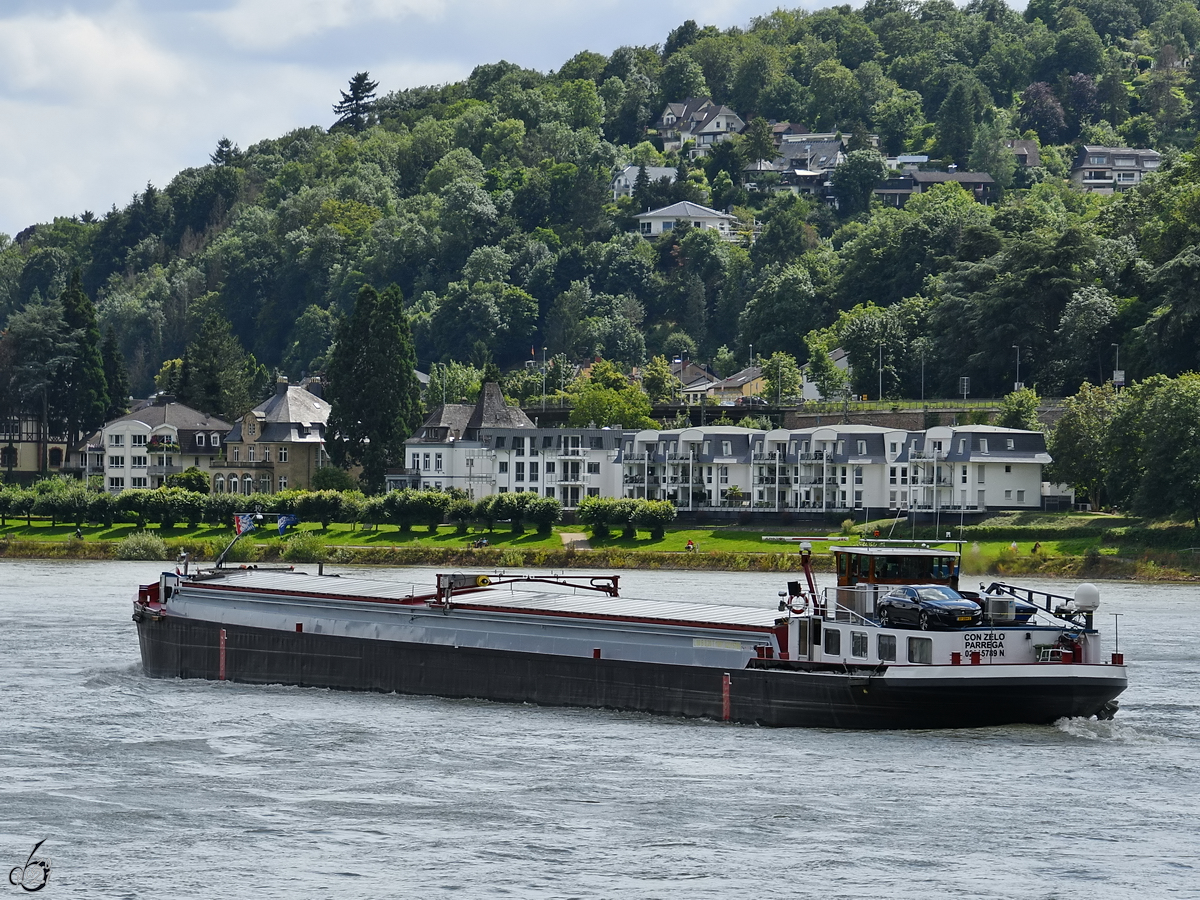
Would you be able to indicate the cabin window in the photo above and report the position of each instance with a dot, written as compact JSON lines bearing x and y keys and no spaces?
{"x":833,"y":642}
{"x":858,"y":644}
{"x":920,"y":651}
{"x":843,"y":564}
{"x":887,"y":647}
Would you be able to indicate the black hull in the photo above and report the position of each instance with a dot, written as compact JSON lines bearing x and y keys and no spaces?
{"x":182,"y":648}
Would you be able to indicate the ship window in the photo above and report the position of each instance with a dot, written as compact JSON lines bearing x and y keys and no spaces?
{"x":858,"y":644}
{"x":887,"y":647}
{"x":920,"y":650}
{"x":833,"y":642}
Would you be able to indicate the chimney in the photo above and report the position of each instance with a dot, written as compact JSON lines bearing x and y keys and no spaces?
{"x":281,"y":386}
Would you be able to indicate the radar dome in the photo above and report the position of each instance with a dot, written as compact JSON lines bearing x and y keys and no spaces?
{"x":1087,"y":597}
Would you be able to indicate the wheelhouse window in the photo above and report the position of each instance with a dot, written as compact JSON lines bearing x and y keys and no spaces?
{"x":858,"y":644}
{"x":920,"y":651}
{"x":886,"y":645}
{"x":833,"y":642}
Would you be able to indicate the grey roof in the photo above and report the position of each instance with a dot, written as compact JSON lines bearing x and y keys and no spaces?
{"x":174,"y":414}
{"x":684,"y":209}
{"x":462,"y":421}
{"x":738,"y":379}
{"x":293,"y":404}
{"x":1027,"y":149}
{"x":943,"y":177}
{"x":654,"y":173}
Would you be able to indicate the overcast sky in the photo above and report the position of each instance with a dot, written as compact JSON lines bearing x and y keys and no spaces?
{"x":98,"y":97}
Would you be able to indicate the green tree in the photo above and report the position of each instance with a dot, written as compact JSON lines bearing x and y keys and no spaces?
{"x":190,"y":479}
{"x":453,"y":382}
{"x":217,"y":375}
{"x":355,"y":108}
{"x":81,"y":387}
{"x":781,"y":378}
{"x":833,"y":383}
{"x":1079,"y":443}
{"x":374,"y":348}
{"x":116,"y":376}
{"x":657,"y":381}
{"x":855,"y":180}
{"x":1171,"y":459}
{"x":607,"y":397}
{"x":1019,"y":409}
{"x":756,"y":143}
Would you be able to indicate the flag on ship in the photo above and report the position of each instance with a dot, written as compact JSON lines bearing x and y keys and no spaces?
{"x":243,"y":523}
{"x":285,"y":521}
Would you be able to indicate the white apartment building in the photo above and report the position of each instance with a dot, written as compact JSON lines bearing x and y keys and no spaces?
{"x":490,"y":448}
{"x":838,"y":468}
{"x":141,"y":448}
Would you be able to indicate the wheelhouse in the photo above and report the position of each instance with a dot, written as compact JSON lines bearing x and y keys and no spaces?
{"x":895,"y":565}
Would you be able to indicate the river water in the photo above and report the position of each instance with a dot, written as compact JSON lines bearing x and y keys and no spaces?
{"x":162,"y":788}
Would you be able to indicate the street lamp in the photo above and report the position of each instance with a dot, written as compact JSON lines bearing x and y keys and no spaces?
{"x":879,"y":396}
{"x":543,"y":379}
{"x":1017,"y":383}
{"x":1118,"y":375}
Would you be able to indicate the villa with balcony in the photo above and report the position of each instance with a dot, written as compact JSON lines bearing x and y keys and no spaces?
{"x":160,"y":438}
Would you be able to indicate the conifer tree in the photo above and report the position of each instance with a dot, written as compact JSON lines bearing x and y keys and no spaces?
{"x":217,"y":375}
{"x":373,"y":386}
{"x":354,"y":109}
{"x":81,"y":390}
{"x":116,"y":376}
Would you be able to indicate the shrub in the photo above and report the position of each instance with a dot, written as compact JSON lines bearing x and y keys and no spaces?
{"x":597,"y":513}
{"x":319,"y":506}
{"x":190,"y":479}
{"x":847,"y":527}
{"x":513,"y":507}
{"x":372,"y":512}
{"x":486,"y":512}
{"x":544,"y":512}
{"x":102,"y":508}
{"x":654,"y":516}
{"x":400,"y":509}
{"x":142,"y":545}
{"x":623,"y":511}
{"x":304,"y":546}
{"x":460,"y":514}
{"x":331,"y":478}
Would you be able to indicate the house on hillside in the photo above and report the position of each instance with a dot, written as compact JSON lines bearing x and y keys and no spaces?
{"x":1027,"y":153}
{"x":654,"y":222}
{"x":488,"y":447}
{"x":625,"y":180}
{"x":26,"y":450}
{"x":137,"y":451}
{"x":699,"y":120}
{"x":277,"y":446}
{"x":896,"y":189}
{"x":1103,"y":170}
{"x":746,"y":383}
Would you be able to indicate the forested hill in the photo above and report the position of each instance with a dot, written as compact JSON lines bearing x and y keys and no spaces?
{"x":488,"y":203}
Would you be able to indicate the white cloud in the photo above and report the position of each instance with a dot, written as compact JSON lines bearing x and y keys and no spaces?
{"x":277,"y":23}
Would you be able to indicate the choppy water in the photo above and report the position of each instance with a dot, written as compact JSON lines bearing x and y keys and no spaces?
{"x":154,"y":788}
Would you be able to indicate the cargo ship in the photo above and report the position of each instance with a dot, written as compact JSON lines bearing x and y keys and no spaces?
{"x":832,"y":658}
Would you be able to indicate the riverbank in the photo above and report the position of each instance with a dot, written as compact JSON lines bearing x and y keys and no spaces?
{"x":1061,"y":549}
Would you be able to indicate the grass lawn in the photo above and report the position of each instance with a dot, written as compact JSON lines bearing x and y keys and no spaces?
{"x":725,"y":539}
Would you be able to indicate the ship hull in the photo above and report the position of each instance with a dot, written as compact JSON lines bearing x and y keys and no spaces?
{"x":931,"y":697}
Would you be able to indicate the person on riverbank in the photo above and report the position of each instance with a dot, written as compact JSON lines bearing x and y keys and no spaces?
{"x":691,"y":546}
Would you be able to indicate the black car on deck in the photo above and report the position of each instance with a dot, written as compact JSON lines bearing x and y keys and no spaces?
{"x":927,"y":606}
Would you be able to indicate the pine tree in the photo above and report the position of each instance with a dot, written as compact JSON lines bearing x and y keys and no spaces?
{"x":373,"y":386}
{"x":116,"y":376}
{"x":354,"y":109}
{"x":217,"y":375}
{"x":82,"y":390}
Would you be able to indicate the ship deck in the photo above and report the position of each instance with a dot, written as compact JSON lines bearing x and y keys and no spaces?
{"x":515,"y":598}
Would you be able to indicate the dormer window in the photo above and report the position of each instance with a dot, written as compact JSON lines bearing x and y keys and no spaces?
{"x":841,"y":448}
{"x":214,"y":440}
{"x":862,"y":448}
{"x":199,"y":440}
{"x":1008,"y":443}
{"x":962,"y":445}
{"x":252,"y":429}
{"x":726,"y":448}
{"x":983,"y":445}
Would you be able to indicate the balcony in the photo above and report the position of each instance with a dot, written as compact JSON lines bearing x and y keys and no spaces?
{"x":766,"y":457}
{"x":161,"y":470}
